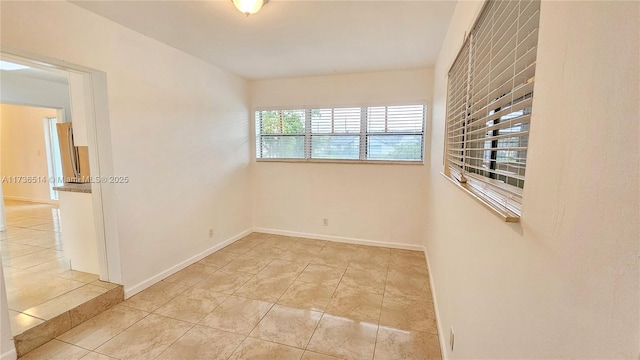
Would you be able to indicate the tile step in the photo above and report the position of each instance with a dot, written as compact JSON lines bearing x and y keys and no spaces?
{"x":50,"y":329}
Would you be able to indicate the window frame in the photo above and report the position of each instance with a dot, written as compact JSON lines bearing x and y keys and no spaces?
{"x":362,"y":135}
{"x":502,"y":198}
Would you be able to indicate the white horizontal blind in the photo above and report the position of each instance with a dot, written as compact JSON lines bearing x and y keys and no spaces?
{"x":457,"y":104}
{"x":335,"y":133}
{"x":488,"y":124}
{"x":281,"y":134}
{"x":407,"y":119}
{"x":392,"y":133}
{"x":395,"y":132}
{"x":336,"y":120}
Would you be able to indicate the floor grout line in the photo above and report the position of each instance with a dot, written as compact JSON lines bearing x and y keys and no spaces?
{"x":239,"y":345}
{"x":176,"y":340}
{"x":271,"y":249}
{"x":381,"y":307}
{"x":125,"y":329}
{"x":324,"y":312}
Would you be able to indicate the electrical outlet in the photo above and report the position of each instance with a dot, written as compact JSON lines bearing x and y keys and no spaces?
{"x":211,"y":232}
{"x":325,"y":222}
{"x":452,"y":337}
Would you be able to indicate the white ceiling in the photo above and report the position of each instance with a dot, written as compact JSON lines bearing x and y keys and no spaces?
{"x":292,"y":38}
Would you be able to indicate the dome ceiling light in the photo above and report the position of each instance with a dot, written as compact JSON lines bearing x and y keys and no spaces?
{"x":249,"y":7}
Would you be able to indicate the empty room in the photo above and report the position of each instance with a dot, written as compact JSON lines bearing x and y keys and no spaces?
{"x":316,"y":180}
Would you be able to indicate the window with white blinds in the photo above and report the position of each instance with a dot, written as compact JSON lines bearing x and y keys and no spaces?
{"x":375,"y":133}
{"x":489,"y":101}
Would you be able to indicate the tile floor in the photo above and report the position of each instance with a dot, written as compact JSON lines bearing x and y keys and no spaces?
{"x":271,"y":297}
{"x":40,"y":283}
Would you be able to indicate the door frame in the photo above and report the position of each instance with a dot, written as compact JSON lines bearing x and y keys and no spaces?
{"x":100,"y":156}
{"x":51,"y":158}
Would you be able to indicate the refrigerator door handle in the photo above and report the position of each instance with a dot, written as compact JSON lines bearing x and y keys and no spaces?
{"x":74,"y":154}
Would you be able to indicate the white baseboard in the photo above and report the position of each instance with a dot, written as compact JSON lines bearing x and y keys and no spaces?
{"x":130,"y":291}
{"x":340,"y":239}
{"x":40,"y":201}
{"x":9,"y":355}
{"x":441,"y":333}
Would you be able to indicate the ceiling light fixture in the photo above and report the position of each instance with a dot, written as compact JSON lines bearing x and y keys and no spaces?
{"x":249,"y":7}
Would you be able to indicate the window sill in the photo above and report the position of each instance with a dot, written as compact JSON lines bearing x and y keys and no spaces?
{"x":501,"y":211}
{"x":331,"y":161}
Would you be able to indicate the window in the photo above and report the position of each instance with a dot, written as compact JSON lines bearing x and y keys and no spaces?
{"x":282,"y":134}
{"x":489,"y":102}
{"x":378,"y":133}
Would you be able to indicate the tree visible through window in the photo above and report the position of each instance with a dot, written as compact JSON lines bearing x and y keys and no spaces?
{"x":282,"y":134}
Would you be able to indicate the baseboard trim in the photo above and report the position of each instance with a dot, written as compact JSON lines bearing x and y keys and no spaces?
{"x":39,"y":201}
{"x":340,"y":239}
{"x":132,"y":290}
{"x":441,"y":334}
{"x":9,"y":355}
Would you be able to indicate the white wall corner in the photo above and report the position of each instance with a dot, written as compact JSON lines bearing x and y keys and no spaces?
{"x":130,"y":291}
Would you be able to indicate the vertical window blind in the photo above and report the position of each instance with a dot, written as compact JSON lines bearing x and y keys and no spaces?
{"x":489,"y":102}
{"x":377,"y":133}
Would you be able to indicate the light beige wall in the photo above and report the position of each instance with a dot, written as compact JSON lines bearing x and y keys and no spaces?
{"x":383,"y":203}
{"x":179,"y":131}
{"x":23,"y":151}
{"x":564,"y":282}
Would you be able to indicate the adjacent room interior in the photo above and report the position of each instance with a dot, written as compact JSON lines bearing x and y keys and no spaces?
{"x":320,"y":179}
{"x":50,"y":265}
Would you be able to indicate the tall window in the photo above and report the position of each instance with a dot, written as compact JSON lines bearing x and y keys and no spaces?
{"x":378,"y":133}
{"x":489,"y":103}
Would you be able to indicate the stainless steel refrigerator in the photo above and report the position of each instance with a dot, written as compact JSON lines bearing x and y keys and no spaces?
{"x":74,"y":159}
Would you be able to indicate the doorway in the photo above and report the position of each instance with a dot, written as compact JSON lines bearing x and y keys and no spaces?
{"x":101,"y":207}
{"x":42,"y":280}
{"x":92,"y":103}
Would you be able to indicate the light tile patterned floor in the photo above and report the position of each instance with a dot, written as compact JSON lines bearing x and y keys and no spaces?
{"x":39,"y":280}
{"x":271,"y":297}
